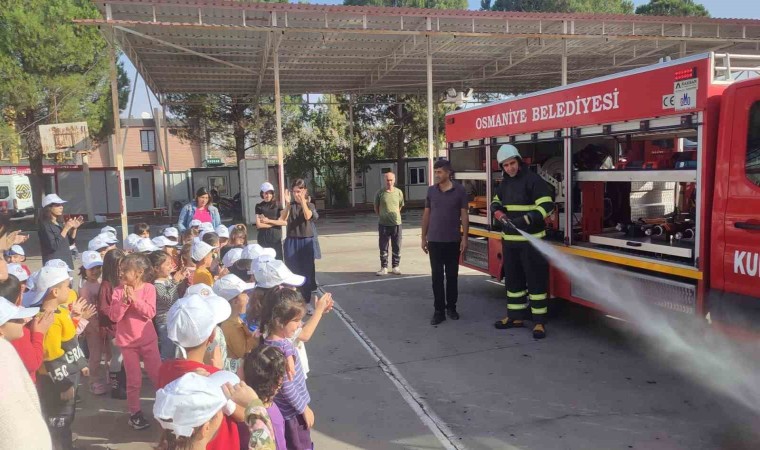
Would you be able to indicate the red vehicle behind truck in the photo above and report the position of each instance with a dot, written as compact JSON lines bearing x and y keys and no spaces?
{"x":655,"y":171}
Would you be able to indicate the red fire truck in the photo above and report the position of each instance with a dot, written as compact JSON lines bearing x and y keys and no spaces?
{"x":655,"y":171}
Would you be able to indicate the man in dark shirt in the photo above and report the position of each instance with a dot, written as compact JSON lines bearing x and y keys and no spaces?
{"x":445,"y":212}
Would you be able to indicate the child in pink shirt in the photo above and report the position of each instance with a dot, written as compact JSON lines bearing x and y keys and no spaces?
{"x":132,"y":309}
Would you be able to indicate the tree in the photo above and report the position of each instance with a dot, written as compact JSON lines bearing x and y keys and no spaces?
{"x":234,"y":118}
{"x":52,"y":70}
{"x":561,"y":6}
{"x":672,"y":8}
{"x":324,"y":145}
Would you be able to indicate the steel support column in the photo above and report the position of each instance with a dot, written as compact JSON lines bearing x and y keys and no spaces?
{"x":564,"y":62}
{"x":429,"y":110}
{"x":117,"y":133}
{"x":351,"y":143}
{"x":167,"y":172}
{"x":278,"y":114}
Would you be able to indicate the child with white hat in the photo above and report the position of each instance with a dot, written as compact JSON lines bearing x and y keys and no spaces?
{"x":171,"y":233}
{"x":191,"y":411}
{"x":13,"y":318}
{"x":33,"y":329}
{"x":130,"y":242}
{"x":167,"y":282}
{"x":202,"y":255}
{"x":89,"y":288}
{"x":98,"y":244}
{"x":145,"y":245}
{"x":238,"y":338}
{"x":17,"y":255}
{"x":224,"y":235}
{"x":63,"y":358}
{"x":191,"y":324}
{"x":17,"y":270}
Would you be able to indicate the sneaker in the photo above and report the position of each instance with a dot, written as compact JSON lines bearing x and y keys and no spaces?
{"x":382,"y":272}
{"x":138,"y":422}
{"x":396,"y":271}
{"x":506,"y":323}
{"x":438,"y":317}
{"x":539,"y":332}
{"x":452,"y":313}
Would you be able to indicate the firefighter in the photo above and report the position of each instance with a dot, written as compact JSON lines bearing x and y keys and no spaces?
{"x":521,"y":202}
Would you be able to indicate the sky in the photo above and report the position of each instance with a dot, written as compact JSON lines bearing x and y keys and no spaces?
{"x":746,"y":9}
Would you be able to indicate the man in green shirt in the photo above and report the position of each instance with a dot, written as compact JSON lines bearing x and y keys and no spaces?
{"x":388,"y":204}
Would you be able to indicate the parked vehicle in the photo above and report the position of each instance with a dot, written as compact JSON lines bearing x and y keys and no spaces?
{"x":16,"y":195}
{"x":656,"y":171}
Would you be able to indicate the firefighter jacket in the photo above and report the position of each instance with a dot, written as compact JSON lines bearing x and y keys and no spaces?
{"x":524,"y":194}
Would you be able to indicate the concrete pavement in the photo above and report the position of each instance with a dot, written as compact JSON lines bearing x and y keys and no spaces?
{"x":383,"y":378}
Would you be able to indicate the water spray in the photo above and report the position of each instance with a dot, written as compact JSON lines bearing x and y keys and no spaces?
{"x":687,"y":342}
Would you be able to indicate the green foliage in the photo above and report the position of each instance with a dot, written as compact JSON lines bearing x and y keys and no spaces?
{"x":52,"y":70}
{"x":673,"y":8}
{"x":323,"y":147}
{"x":235,"y":119}
{"x":561,"y":6}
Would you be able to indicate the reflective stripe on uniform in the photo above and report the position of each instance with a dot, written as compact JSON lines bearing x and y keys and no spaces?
{"x":517,"y":306}
{"x":542,"y":211}
{"x":539,"y":310}
{"x":496,"y":199}
{"x":543,"y":200}
{"x":520,"y":207}
{"x":519,"y":237}
{"x":537,"y":296}
{"x":517,"y":294}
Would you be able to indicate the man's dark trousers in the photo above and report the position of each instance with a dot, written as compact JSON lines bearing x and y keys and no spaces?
{"x":444,"y":260}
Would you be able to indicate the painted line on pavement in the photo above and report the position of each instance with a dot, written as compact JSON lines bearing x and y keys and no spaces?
{"x":375,"y":281}
{"x":440,"y":430}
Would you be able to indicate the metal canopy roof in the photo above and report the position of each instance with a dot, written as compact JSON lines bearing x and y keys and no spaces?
{"x":206,"y":46}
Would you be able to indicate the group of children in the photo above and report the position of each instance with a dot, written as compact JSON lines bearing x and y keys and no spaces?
{"x":217,"y":324}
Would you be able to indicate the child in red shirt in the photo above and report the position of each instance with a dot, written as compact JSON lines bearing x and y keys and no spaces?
{"x":190,"y":324}
{"x":29,"y":345}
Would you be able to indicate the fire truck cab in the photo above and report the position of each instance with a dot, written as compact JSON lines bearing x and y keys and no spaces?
{"x":655,"y":171}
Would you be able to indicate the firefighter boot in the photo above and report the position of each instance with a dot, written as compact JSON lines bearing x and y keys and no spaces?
{"x":539,"y":331}
{"x":506,"y":323}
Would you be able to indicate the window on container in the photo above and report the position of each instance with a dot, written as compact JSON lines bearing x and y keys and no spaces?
{"x":752,"y":163}
{"x":132,"y":187}
{"x":4,"y":192}
{"x":148,"y":140}
{"x":417,"y":175}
